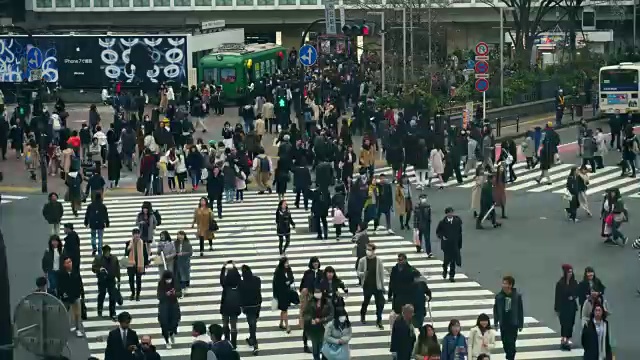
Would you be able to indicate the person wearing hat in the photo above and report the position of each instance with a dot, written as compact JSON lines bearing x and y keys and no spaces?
{"x":137,"y":261}
{"x":566,"y":305}
{"x":449,"y":230}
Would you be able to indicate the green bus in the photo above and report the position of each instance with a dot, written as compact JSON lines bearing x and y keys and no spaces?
{"x":235,"y":66}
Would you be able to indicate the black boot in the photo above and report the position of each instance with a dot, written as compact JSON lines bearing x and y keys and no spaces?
{"x":504,"y":214}
{"x":234,"y":339}
{"x":305,"y":341}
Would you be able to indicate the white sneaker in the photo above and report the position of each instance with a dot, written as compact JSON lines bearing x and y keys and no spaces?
{"x":79,"y":333}
{"x":390,"y":232}
{"x":168,"y":346}
{"x":73,"y":328}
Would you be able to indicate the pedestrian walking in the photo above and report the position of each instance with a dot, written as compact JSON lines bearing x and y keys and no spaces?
{"x":230,"y":305}
{"x":371,"y":276}
{"x":251,"y":295}
{"x":422,"y":226}
{"x":182,"y":267}
{"x":52,"y":262}
{"x":138,"y":260}
{"x":52,"y":212}
{"x":454,"y":344}
{"x":96,"y":218}
{"x":283,"y":292}
{"x":482,"y":338}
{"x":168,"y":308}
{"x":107,"y":270}
{"x":284,"y":225}
{"x":566,"y":305}
{"x":403,"y":336}
{"x":203,"y":219}
{"x":508,"y":314}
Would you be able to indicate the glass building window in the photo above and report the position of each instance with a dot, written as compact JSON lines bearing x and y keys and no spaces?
{"x":44,"y":3}
{"x":287,"y":2}
{"x":244,"y":2}
{"x":63,"y":3}
{"x":120,"y":3}
{"x":308,"y":2}
{"x":352,"y":2}
{"x":101,"y":3}
{"x":203,"y":2}
{"x":166,"y":3}
{"x":141,"y":3}
{"x":266,"y":2}
{"x":224,"y":3}
{"x":83,"y":3}
{"x":182,"y":2}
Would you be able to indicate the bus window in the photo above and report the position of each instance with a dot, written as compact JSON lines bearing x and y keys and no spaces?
{"x":210,"y":76}
{"x":273,"y":66}
{"x":228,"y":75}
{"x":619,"y":79}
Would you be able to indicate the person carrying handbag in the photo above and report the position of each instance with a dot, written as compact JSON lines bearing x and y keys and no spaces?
{"x":337,"y":335}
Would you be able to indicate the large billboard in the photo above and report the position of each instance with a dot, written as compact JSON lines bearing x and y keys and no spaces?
{"x":94,"y":61}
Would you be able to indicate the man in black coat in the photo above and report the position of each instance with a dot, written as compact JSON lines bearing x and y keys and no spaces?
{"x":449,"y":230}
{"x":122,"y":342}
{"x":402,"y":336}
{"x":401,"y":284}
{"x":487,"y":209}
{"x":384,"y":202}
{"x":72,"y":246}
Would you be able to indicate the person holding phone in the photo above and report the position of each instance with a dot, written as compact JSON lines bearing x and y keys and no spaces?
{"x":121,"y":341}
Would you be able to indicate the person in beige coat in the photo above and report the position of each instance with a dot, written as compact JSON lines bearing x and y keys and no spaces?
{"x":476,"y":190}
{"x":403,"y":203}
{"x":482,"y":338}
{"x":67,"y":154}
{"x":260,"y":127}
{"x":202,"y":217}
{"x":268,"y":115}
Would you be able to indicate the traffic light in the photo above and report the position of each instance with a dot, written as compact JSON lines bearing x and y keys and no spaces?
{"x":282,"y":101}
{"x":357,"y":30}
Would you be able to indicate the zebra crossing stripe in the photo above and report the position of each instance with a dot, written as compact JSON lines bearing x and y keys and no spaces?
{"x":247,"y":236}
{"x":7,"y":199}
{"x":604,"y":178}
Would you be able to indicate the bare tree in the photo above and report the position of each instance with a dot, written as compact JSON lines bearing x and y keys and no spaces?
{"x":526,"y":18}
{"x":421,"y":22}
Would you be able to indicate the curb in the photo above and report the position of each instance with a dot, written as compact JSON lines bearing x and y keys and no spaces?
{"x":564,"y":126}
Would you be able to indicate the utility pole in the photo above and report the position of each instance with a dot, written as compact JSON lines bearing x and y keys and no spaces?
{"x":635,"y":15}
{"x":429,"y":29}
{"x":411,"y":41}
{"x":502,"y":56}
{"x":382,"y":35}
{"x":404,"y":46}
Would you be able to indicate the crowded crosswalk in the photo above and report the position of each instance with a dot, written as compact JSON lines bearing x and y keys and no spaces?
{"x":247,"y":235}
{"x":605,"y":178}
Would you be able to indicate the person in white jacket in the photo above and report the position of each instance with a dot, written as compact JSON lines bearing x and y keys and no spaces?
{"x":181,"y":171}
{"x":102,"y":142}
{"x":601,"y":148}
{"x":482,"y":338}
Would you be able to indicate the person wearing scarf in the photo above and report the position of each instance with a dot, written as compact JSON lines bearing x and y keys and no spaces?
{"x":138,"y":259}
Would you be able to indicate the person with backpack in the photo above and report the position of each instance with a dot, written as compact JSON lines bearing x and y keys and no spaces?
{"x":262,"y":167}
{"x":73,"y":195}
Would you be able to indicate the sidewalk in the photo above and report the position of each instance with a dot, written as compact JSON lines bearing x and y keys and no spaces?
{"x":515,"y":128}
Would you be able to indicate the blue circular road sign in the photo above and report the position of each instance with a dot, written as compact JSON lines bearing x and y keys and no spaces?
{"x":481,"y":67}
{"x":470,"y":64}
{"x":308,"y":55}
{"x":482,"y":85}
{"x":34,"y":58}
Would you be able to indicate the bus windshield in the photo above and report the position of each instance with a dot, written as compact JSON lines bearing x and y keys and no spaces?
{"x":619,"y":80}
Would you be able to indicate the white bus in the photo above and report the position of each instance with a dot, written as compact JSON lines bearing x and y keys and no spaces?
{"x":619,"y":88}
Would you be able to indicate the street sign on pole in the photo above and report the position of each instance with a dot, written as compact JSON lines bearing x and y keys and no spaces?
{"x":481,"y":67}
{"x":308,"y":55}
{"x":482,"y":85}
{"x":330,"y":16}
{"x":470,"y":64}
{"x":482,"y":49}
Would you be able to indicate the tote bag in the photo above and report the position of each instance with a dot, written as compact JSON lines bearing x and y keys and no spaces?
{"x":335,"y":351}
